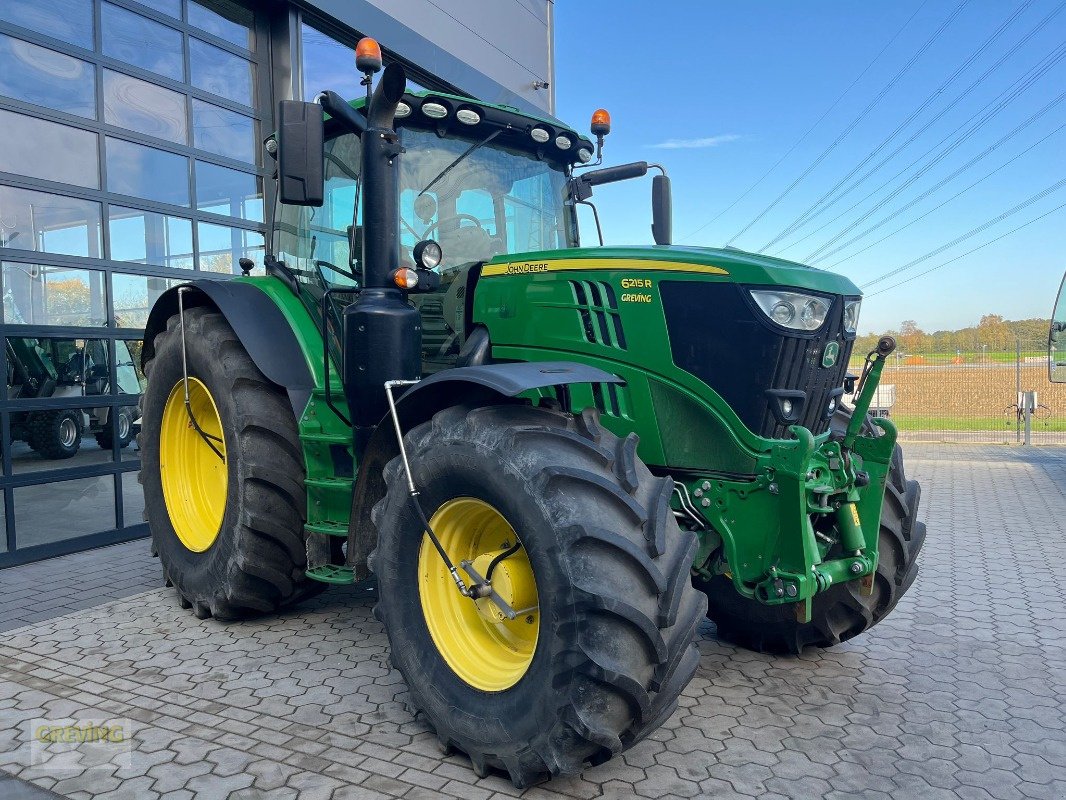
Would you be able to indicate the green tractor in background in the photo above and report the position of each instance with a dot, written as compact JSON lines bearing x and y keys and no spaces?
{"x":554,"y":459}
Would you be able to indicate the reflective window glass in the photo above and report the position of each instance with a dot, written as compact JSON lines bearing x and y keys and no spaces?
{"x":223,"y":19}
{"x":220,"y":72}
{"x":48,"y":150}
{"x":142,"y":171}
{"x":146,"y":237}
{"x":132,"y":495}
{"x":44,"y":77}
{"x":142,"y":42}
{"x":225,"y":133}
{"x":52,"y":512}
{"x":221,"y":247}
{"x":134,"y":296}
{"x":144,"y":107}
{"x":221,"y":190}
{"x":35,"y":294}
{"x":49,"y":223}
{"x":328,"y":64}
{"x":69,"y":20}
{"x":172,"y":8}
{"x":128,"y":376}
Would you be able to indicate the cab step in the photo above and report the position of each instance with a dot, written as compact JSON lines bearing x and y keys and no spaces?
{"x":327,"y":438}
{"x":331,"y":573}
{"x":328,"y":528}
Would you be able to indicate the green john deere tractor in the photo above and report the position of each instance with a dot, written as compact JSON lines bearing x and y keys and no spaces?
{"x":555,"y":459}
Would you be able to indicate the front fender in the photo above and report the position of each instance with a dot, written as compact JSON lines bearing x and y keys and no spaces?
{"x":480,"y":385}
{"x":259,"y":324}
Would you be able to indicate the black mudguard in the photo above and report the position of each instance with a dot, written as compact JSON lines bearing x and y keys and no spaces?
{"x":479,"y":385}
{"x":258,"y":323}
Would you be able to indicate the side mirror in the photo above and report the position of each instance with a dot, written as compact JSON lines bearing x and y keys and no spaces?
{"x":301,"y":180}
{"x":662,"y":225}
{"x":1056,"y":341}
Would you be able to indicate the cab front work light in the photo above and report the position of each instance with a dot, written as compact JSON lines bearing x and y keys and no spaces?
{"x":801,"y":312}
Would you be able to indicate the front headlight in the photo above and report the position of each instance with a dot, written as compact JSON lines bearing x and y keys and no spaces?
{"x":801,"y":312}
{"x":851,"y":315}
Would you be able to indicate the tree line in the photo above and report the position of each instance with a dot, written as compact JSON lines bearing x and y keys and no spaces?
{"x":991,"y":334}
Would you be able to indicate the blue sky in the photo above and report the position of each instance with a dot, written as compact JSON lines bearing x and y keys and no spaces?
{"x":718,"y":92}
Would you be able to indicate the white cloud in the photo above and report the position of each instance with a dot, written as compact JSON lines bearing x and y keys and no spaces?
{"x":695,"y":144}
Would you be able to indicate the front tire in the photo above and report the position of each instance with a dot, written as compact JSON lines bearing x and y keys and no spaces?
{"x":229,"y":534}
{"x":55,"y":434}
{"x":616,"y":612}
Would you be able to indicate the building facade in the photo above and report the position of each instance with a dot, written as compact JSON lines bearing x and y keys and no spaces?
{"x":131,"y":160}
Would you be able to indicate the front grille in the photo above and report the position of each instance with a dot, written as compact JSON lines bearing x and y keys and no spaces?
{"x":725,"y":341}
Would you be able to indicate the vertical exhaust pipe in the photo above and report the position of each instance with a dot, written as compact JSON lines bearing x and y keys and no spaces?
{"x":382,"y":333}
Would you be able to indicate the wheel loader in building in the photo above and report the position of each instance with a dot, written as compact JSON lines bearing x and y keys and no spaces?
{"x":555,"y":459}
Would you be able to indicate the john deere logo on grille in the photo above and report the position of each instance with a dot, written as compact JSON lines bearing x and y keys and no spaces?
{"x":831,"y":354}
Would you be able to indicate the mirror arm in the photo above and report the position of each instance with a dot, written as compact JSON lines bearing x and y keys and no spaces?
{"x":334,"y":105}
{"x":595,"y":216}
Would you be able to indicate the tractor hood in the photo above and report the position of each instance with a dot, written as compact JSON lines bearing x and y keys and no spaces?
{"x":742,"y":267}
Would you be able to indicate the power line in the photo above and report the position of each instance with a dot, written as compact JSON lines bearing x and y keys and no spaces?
{"x":817,"y":122}
{"x":854,"y":123}
{"x":986,"y":114}
{"x":970,"y":233}
{"x":980,"y":80}
{"x":968,"y":252}
{"x":811,"y":210}
{"x":930,"y":211}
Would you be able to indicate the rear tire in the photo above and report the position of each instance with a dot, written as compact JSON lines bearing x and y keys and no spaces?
{"x":106,"y":437}
{"x":55,"y":434}
{"x":839,"y":613}
{"x":617,"y":611}
{"x":256,"y":562}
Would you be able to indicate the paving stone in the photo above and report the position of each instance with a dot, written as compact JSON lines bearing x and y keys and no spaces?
{"x":960,"y":693}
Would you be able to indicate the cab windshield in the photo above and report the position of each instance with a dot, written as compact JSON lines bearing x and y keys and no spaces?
{"x":476,"y":199}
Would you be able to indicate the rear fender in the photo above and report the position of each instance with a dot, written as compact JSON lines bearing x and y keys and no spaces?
{"x":259,"y":324}
{"x":474,"y":386}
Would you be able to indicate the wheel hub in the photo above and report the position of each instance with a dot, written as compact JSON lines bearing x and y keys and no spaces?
{"x":194,"y":478}
{"x":475,"y":638}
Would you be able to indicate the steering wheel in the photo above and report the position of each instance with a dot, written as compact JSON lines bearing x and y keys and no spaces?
{"x":459,"y":217}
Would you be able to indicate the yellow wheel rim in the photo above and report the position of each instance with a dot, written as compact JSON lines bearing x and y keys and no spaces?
{"x":195,"y":479}
{"x":474,"y":637}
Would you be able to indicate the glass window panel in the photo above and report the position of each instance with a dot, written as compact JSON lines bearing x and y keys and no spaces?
{"x":69,"y":20}
{"x":172,"y":8}
{"x":41,"y":295}
{"x":146,"y":237}
{"x":328,"y":64}
{"x":49,"y":223}
{"x":46,"y":78}
{"x":128,"y":376}
{"x":134,"y":296}
{"x":132,"y":494}
{"x":52,"y":512}
{"x":146,"y":172}
{"x":54,"y":368}
{"x":71,"y":152}
{"x":142,"y":42}
{"x":221,"y":247}
{"x":221,"y":190}
{"x":144,"y":107}
{"x":220,"y":72}
{"x":225,"y":133}
{"x":223,"y":19}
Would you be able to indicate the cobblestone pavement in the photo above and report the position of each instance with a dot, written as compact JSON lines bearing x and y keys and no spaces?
{"x":960,"y":693}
